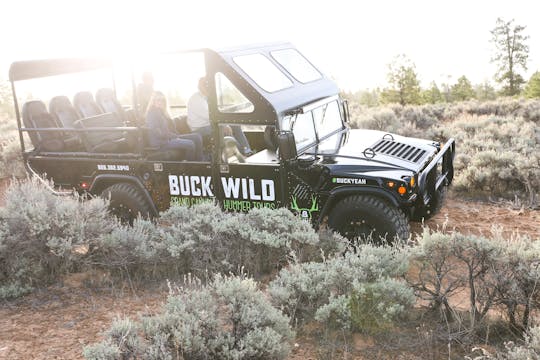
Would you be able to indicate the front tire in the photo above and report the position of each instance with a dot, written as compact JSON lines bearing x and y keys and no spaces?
{"x":127,"y":202}
{"x":364,"y":217}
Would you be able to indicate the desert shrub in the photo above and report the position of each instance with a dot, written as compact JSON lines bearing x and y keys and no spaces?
{"x":447,"y":263}
{"x":260,"y":241}
{"x":54,"y":235}
{"x":368,"y":307}
{"x":39,"y":233}
{"x":302,"y":289}
{"x":227,"y":319}
{"x":383,"y":119}
{"x":499,"y":157}
{"x":105,"y":350}
{"x":376,"y":306}
{"x":11,"y":163}
{"x":529,"y":350}
{"x":495,"y":273}
{"x":515,"y":276}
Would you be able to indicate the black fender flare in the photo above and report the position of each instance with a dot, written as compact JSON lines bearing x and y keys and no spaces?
{"x":341,"y":192}
{"x":103,"y":181}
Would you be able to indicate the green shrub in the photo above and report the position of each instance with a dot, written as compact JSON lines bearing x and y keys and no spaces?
{"x":39,"y":233}
{"x":11,"y":162}
{"x":260,"y":241}
{"x":529,"y":350}
{"x":227,"y":319}
{"x":495,"y":273}
{"x":302,"y":289}
{"x":376,"y":306}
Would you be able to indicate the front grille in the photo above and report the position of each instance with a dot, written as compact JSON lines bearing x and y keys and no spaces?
{"x":399,"y":150}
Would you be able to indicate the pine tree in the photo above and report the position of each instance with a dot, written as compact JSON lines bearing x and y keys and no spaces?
{"x":532,"y":90}
{"x":511,"y":54}
{"x":462,"y":90}
{"x":405,"y":86}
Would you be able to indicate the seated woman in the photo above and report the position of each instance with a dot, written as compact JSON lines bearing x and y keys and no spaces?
{"x":160,"y":136}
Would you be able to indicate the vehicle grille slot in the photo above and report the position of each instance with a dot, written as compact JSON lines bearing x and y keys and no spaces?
{"x":403,"y":151}
{"x":399,"y":150}
{"x":419,"y":156}
{"x":302,"y":191}
{"x":382,"y":145}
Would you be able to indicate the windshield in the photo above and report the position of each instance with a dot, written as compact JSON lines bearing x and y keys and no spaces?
{"x":327,"y":119}
{"x":302,"y":127}
{"x":313,"y":125}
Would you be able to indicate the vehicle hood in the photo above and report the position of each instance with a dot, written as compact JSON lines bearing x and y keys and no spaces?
{"x":372,"y":150}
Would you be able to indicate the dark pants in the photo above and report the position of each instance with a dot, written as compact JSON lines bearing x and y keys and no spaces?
{"x":189,"y":144}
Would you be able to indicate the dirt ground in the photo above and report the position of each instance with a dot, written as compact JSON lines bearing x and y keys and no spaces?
{"x":57,"y":322}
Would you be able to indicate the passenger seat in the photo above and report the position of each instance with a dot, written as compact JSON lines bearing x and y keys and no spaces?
{"x":107,"y":101}
{"x":85,"y":104}
{"x":35,"y":115}
{"x":65,"y":114}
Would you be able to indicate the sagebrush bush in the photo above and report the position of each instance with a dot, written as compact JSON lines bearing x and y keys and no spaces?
{"x":11,"y":162}
{"x":227,"y":319}
{"x":529,"y":350}
{"x":302,"y":289}
{"x":39,"y":233}
{"x":260,"y":241}
{"x":496,"y":273}
{"x":376,"y":306}
{"x":53,"y":235}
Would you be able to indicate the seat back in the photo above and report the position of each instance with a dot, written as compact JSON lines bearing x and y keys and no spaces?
{"x":106,"y":99}
{"x":35,"y":115}
{"x":65,"y":113}
{"x":103,"y":141}
{"x":85,"y":104}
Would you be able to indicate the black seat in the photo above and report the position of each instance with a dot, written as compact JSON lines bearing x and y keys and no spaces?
{"x":85,"y":104}
{"x":108,"y":102}
{"x":65,"y":114}
{"x":103,"y":141}
{"x":35,"y":115}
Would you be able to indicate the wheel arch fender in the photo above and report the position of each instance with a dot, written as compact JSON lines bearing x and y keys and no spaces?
{"x":103,"y":181}
{"x":337,"y":194}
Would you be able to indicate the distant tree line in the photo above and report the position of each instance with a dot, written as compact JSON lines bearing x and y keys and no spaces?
{"x":510,"y":55}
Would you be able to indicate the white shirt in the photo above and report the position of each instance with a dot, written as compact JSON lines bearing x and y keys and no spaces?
{"x":197,"y":110}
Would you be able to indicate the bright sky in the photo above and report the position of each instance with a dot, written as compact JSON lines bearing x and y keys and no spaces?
{"x":351,"y":41}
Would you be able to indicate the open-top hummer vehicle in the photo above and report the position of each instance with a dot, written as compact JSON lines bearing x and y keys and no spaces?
{"x":306,"y":158}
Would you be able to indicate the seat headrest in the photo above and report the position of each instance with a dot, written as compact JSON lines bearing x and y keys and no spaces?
{"x":105,"y":94}
{"x":63,"y":110}
{"x":60,"y":103}
{"x":85,"y":104}
{"x":33,"y":108}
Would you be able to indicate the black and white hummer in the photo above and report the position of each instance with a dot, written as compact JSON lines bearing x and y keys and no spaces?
{"x":306,"y":158}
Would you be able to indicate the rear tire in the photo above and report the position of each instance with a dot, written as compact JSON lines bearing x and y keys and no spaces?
{"x":127,"y":202}
{"x":364,"y":217}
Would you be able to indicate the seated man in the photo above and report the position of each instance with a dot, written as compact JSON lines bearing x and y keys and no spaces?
{"x":199,"y":119}
{"x":160,"y":136}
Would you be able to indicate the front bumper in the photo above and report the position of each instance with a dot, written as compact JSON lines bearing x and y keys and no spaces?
{"x":438,"y":173}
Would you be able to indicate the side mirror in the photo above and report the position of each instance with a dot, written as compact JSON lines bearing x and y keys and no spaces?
{"x":345,"y":104}
{"x":287,"y":146}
